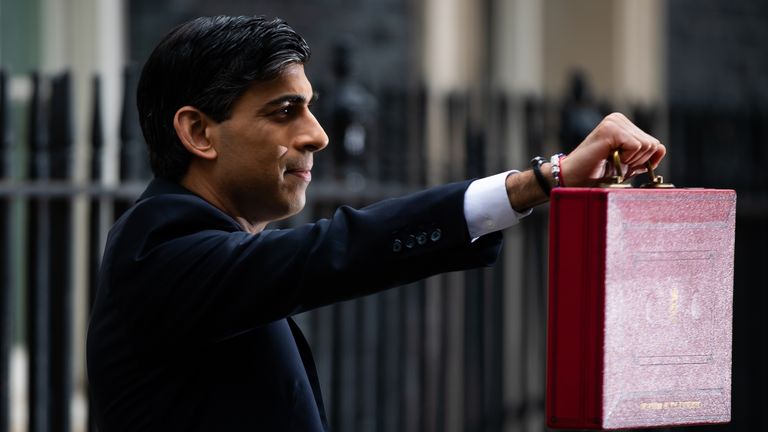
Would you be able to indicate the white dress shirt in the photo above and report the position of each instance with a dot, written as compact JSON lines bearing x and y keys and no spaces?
{"x":487,"y":208}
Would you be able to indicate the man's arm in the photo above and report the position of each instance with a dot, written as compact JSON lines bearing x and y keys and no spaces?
{"x":178,"y":268}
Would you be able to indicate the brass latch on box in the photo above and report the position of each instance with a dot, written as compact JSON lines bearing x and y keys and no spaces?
{"x":617,"y":180}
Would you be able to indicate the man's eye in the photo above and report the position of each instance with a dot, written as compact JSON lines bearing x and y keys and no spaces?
{"x":286,"y":111}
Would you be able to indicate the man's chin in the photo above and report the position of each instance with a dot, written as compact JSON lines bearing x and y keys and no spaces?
{"x":291,"y":209}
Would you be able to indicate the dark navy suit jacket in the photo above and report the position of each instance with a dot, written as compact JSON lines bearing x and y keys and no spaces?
{"x":191,"y":327}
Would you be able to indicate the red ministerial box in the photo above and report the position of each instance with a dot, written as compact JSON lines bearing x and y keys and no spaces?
{"x":640,"y":307}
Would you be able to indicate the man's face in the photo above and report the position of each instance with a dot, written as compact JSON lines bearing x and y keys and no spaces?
{"x":264,"y":150}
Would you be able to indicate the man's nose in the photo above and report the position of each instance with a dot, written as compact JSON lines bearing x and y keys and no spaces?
{"x":315,"y":138}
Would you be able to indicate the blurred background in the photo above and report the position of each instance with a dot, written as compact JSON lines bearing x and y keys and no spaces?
{"x":413,"y":93}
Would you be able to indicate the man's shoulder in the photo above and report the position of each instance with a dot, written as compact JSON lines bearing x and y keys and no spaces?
{"x":164,"y":202}
{"x":165,"y":215}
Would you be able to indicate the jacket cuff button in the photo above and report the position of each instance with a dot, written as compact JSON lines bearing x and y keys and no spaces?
{"x":411,"y":242}
{"x":436,"y":234}
{"x":421,"y":239}
{"x":397,"y":245}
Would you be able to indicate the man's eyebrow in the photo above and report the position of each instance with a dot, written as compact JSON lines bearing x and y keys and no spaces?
{"x":296,"y":99}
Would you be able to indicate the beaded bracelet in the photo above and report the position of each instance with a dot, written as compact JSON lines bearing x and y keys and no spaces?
{"x":556,"y":171}
{"x":536,"y":164}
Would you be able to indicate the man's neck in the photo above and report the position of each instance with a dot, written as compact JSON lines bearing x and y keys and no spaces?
{"x":249,"y":227}
{"x":206,"y":191}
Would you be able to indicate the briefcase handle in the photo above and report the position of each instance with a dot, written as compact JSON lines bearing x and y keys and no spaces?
{"x":617,"y":180}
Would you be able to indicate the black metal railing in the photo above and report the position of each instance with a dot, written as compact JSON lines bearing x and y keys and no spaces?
{"x":6,"y":293}
{"x":439,"y":355}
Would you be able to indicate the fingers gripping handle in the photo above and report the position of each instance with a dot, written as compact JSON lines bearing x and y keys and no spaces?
{"x":618,"y":180}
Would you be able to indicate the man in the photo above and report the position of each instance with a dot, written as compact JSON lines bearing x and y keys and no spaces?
{"x":191,"y":326}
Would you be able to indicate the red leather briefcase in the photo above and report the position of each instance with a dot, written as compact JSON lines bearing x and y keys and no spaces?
{"x":640,"y":307}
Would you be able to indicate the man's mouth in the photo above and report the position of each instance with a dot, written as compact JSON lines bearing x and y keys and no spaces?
{"x":304,"y":174}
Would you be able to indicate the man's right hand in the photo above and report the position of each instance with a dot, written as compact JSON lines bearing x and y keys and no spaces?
{"x":586,"y":166}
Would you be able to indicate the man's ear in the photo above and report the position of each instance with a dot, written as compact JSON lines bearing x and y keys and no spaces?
{"x":191,"y":127}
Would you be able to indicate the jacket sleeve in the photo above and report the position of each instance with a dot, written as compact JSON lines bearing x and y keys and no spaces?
{"x":177,"y":267}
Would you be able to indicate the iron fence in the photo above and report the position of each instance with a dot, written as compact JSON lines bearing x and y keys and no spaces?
{"x":457,"y":352}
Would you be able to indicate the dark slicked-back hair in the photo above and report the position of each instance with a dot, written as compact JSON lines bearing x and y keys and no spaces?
{"x":207,"y":63}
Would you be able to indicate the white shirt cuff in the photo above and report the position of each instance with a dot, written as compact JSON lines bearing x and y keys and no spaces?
{"x":487,"y":208}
